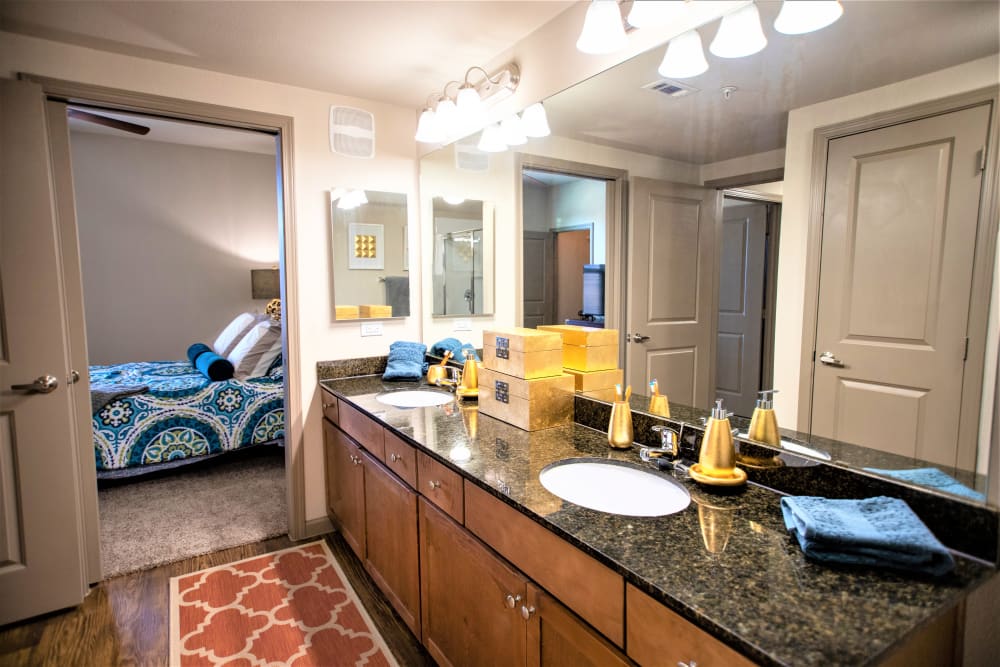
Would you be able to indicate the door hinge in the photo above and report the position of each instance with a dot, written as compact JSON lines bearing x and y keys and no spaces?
{"x":814,"y":356}
{"x":965,"y":356}
{"x":982,"y":159}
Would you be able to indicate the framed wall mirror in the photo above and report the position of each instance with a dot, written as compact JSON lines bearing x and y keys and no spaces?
{"x":368,"y":232}
{"x":463,"y":234}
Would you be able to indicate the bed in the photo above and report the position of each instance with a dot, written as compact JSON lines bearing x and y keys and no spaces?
{"x":182,"y":415}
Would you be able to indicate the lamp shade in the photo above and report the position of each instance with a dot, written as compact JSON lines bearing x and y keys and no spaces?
{"x":492,"y":140}
{"x":739,"y":34}
{"x":684,"y":58}
{"x":603,"y":31}
{"x":428,"y":131}
{"x":446,"y":114}
{"x":512,"y":130}
{"x":534,"y":121}
{"x":265,"y":284}
{"x":654,"y":13}
{"x":797,"y":16}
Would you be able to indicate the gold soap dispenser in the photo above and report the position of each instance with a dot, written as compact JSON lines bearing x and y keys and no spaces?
{"x":469,"y":386}
{"x":620,"y":435}
{"x":717,"y":461}
{"x":763,"y":424}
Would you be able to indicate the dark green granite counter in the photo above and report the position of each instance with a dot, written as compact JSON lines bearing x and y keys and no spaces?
{"x":747,"y":583}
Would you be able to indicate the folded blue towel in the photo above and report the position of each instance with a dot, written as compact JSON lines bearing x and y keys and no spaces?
{"x":213,"y":366}
{"x":195,"y":351}
{"x":876,"y":532}
{"x":932,"y":478}
{"x":406,"y":361}
{"x":456,"y":347}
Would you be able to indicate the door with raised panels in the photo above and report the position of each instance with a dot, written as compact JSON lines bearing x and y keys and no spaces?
{"x":899,"y":232}
{"x":539,"y":279}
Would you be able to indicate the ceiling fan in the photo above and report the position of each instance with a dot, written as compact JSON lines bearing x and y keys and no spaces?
{"x":107,"y":121}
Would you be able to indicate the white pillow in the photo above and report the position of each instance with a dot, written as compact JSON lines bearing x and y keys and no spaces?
{"x":233,"y":333}
{"x":258,"y":349}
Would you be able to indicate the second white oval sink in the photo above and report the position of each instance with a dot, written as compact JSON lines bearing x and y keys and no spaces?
{"x":614,"y":488}
{"x":414,"y":398}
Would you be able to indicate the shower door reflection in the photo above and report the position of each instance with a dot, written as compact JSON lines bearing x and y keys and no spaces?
{"x":458,"y":272}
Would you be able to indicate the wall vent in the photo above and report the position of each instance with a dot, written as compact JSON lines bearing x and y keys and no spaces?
{"x":671,"y":88}
{"x":468,"y":157}
{"x":352,"y":132}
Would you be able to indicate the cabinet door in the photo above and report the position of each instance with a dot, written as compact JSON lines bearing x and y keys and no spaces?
{"x":558,"y":638}
{"x":345,"y":487}
{"x":391,"y":529}
{"x":470,"y":599}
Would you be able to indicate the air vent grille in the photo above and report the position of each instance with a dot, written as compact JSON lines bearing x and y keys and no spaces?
{"x":670,"y":88}
{"x":352,"y":132}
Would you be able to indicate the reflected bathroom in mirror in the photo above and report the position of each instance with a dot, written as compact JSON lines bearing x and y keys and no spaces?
{"x":369,"y":246}
{"x":463,"y":231}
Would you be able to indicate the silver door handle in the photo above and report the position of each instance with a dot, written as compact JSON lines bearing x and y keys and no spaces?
{"x":43,"y":384}
{"x":830,"y":360}
{"x":637,"y":338}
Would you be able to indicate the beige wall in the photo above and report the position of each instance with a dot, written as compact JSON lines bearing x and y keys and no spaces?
{"x":168,"y":235}
{"x":316,"y":170}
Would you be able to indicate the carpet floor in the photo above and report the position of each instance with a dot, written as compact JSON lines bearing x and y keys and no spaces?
{"x":151,"y":522}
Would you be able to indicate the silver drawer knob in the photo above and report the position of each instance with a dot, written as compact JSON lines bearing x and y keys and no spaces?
{"x":434,"y":484}
{"x":512,"y":600}
{"x":394,"y":457}
{"x":526,"y":612}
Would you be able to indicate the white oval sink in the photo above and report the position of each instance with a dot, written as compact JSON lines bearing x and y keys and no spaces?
{"x":616,"y":489}
{"x":414,"y":398}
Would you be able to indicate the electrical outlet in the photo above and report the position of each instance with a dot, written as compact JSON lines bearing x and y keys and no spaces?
{"x":463,"y":325}
{"x":371,"y":329}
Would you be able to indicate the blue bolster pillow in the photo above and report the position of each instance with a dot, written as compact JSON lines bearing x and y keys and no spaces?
{"x":213,"y":366}
{"x":195,"y":351}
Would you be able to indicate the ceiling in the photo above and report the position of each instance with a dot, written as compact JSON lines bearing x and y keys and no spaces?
{"x":394,"y":52}
{"x":873,"y":44}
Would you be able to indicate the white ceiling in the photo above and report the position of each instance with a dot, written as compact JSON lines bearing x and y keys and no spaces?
{"x":873,"y":44}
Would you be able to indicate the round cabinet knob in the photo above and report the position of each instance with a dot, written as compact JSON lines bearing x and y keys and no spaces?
{"x":435,"y":484}
{"x":526,"y":612}
{"x":394,"y":457}
{"x":690,"y":663}
{"x":512,"y":600}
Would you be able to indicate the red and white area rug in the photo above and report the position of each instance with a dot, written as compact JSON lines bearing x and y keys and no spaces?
{"x":292,"y":607}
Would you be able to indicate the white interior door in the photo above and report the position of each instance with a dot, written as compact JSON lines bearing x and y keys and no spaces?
{"x":900,"y":219}
{"x":41,"y":545}
{"x":741,"y":305}
{"x":672,"y":290}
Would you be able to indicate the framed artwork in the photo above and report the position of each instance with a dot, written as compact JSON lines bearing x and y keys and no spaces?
{"x":365,"y":246}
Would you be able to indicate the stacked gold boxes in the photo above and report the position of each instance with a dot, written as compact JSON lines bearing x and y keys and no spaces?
{"x":590,"y":355}
{"x":375,"y":310}
{"x":522,"y":381}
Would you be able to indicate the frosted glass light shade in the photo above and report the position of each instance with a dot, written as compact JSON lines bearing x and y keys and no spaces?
{"x":603,"y":31}
{"x":654,"y":13}
{"x":684,"y":58}
{"x":468,"y":101}
{"x":512,"y":130}
{"x":492,"y":140}
{"x":801,"y":16}
{"x":428,"y":130}
{"x":453,"y":200}
{"x":534,"y":121}
{"x":446,"y":114}
{"x":353,"y":199}
{"x":739,"y":34}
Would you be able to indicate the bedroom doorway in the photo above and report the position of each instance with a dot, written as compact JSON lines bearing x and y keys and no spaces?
{"x":65,"y":95}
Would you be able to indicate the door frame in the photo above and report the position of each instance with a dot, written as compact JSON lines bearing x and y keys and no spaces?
{"x":616,"y":202}
{"x":977,"y":424}
{"x":281,"y":126}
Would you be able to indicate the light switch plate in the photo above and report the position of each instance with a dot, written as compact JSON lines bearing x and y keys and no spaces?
{"x":463,"y":325}
{"x":371,"y":329}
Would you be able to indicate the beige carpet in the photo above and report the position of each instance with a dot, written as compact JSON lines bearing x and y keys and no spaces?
{"x":188,"y":513}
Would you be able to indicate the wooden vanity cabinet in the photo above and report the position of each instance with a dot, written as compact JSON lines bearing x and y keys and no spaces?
{"x":392,"y":550}
{"x":470,"y":599}
{"x":558,"y":638}
{"x":345,"y":486}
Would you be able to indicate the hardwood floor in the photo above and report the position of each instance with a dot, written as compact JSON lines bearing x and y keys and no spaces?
{"x":124,"y":621}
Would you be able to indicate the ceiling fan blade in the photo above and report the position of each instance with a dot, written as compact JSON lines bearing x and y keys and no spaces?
{"x":124,"y":125}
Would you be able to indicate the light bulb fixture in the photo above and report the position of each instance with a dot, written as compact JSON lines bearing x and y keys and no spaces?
{"x":684,"y":58}
{"x":654,"y":13}
{"x":534,"y":122}
{"x":492,"y":140}
{"x":466,"y":112}
{"x":453,"y":200}
{"x":603,"y":31}
{"x":798,"y":17}
{"x":351,"y":199}
{"x":512,"y":130}
{"x":446,"y":113}
{"x":739,"y":34}
{"x":428,"y":129}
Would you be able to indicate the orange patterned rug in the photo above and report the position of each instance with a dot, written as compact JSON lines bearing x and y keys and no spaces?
{"x":292,"y":607}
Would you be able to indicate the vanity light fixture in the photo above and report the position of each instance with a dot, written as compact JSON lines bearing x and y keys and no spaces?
{"x":603,"y":31}
{"x":451,"y":118}
{"x":739,"y":34}
{"x":492,"y":139}
{"x":684,"y":58}
{"x":654,"y":13}
{"x":512,"y":130}
{"x":534,"y":121}
{"x":348,"y":199}
{"x":452,"y":200}
{"x":801,"y":16}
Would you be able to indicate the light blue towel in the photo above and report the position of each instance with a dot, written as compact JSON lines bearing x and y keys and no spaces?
{"x":875,"y":532}
{"x":932,"y":478}
{"x":406,"y":361}
{"x":456,"y":347}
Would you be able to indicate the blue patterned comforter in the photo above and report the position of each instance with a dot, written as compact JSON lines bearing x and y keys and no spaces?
{"x":184,"y":414}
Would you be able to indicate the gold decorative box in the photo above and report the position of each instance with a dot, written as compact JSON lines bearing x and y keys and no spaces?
{"x":573,"y":334}
{"x":528,"y":404}
{"x":523,"y":353}
{"x":590,"y":358}
{"x":595,"y":380}
{"x":347,"y":312}
{"x":375,"y":310}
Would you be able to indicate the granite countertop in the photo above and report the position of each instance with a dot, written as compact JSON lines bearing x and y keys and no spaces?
{"x":748,"y":583}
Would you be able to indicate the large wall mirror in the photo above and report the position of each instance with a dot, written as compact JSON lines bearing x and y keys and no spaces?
{"x":720,"y":199}
{"x":369,"y":245}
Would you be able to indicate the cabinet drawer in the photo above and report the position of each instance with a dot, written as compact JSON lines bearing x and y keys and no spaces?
{"x":658,"y":636}
{"x":441,"y":486}
{"x":592,"y":590}
{"x":401,"y":458}
{"x":365,"y":430}
{"x":330,"y":408}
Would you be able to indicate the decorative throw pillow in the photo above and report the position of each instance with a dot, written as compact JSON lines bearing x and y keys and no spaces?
{"x":233,"y":333}
{"x":254,"y":354}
